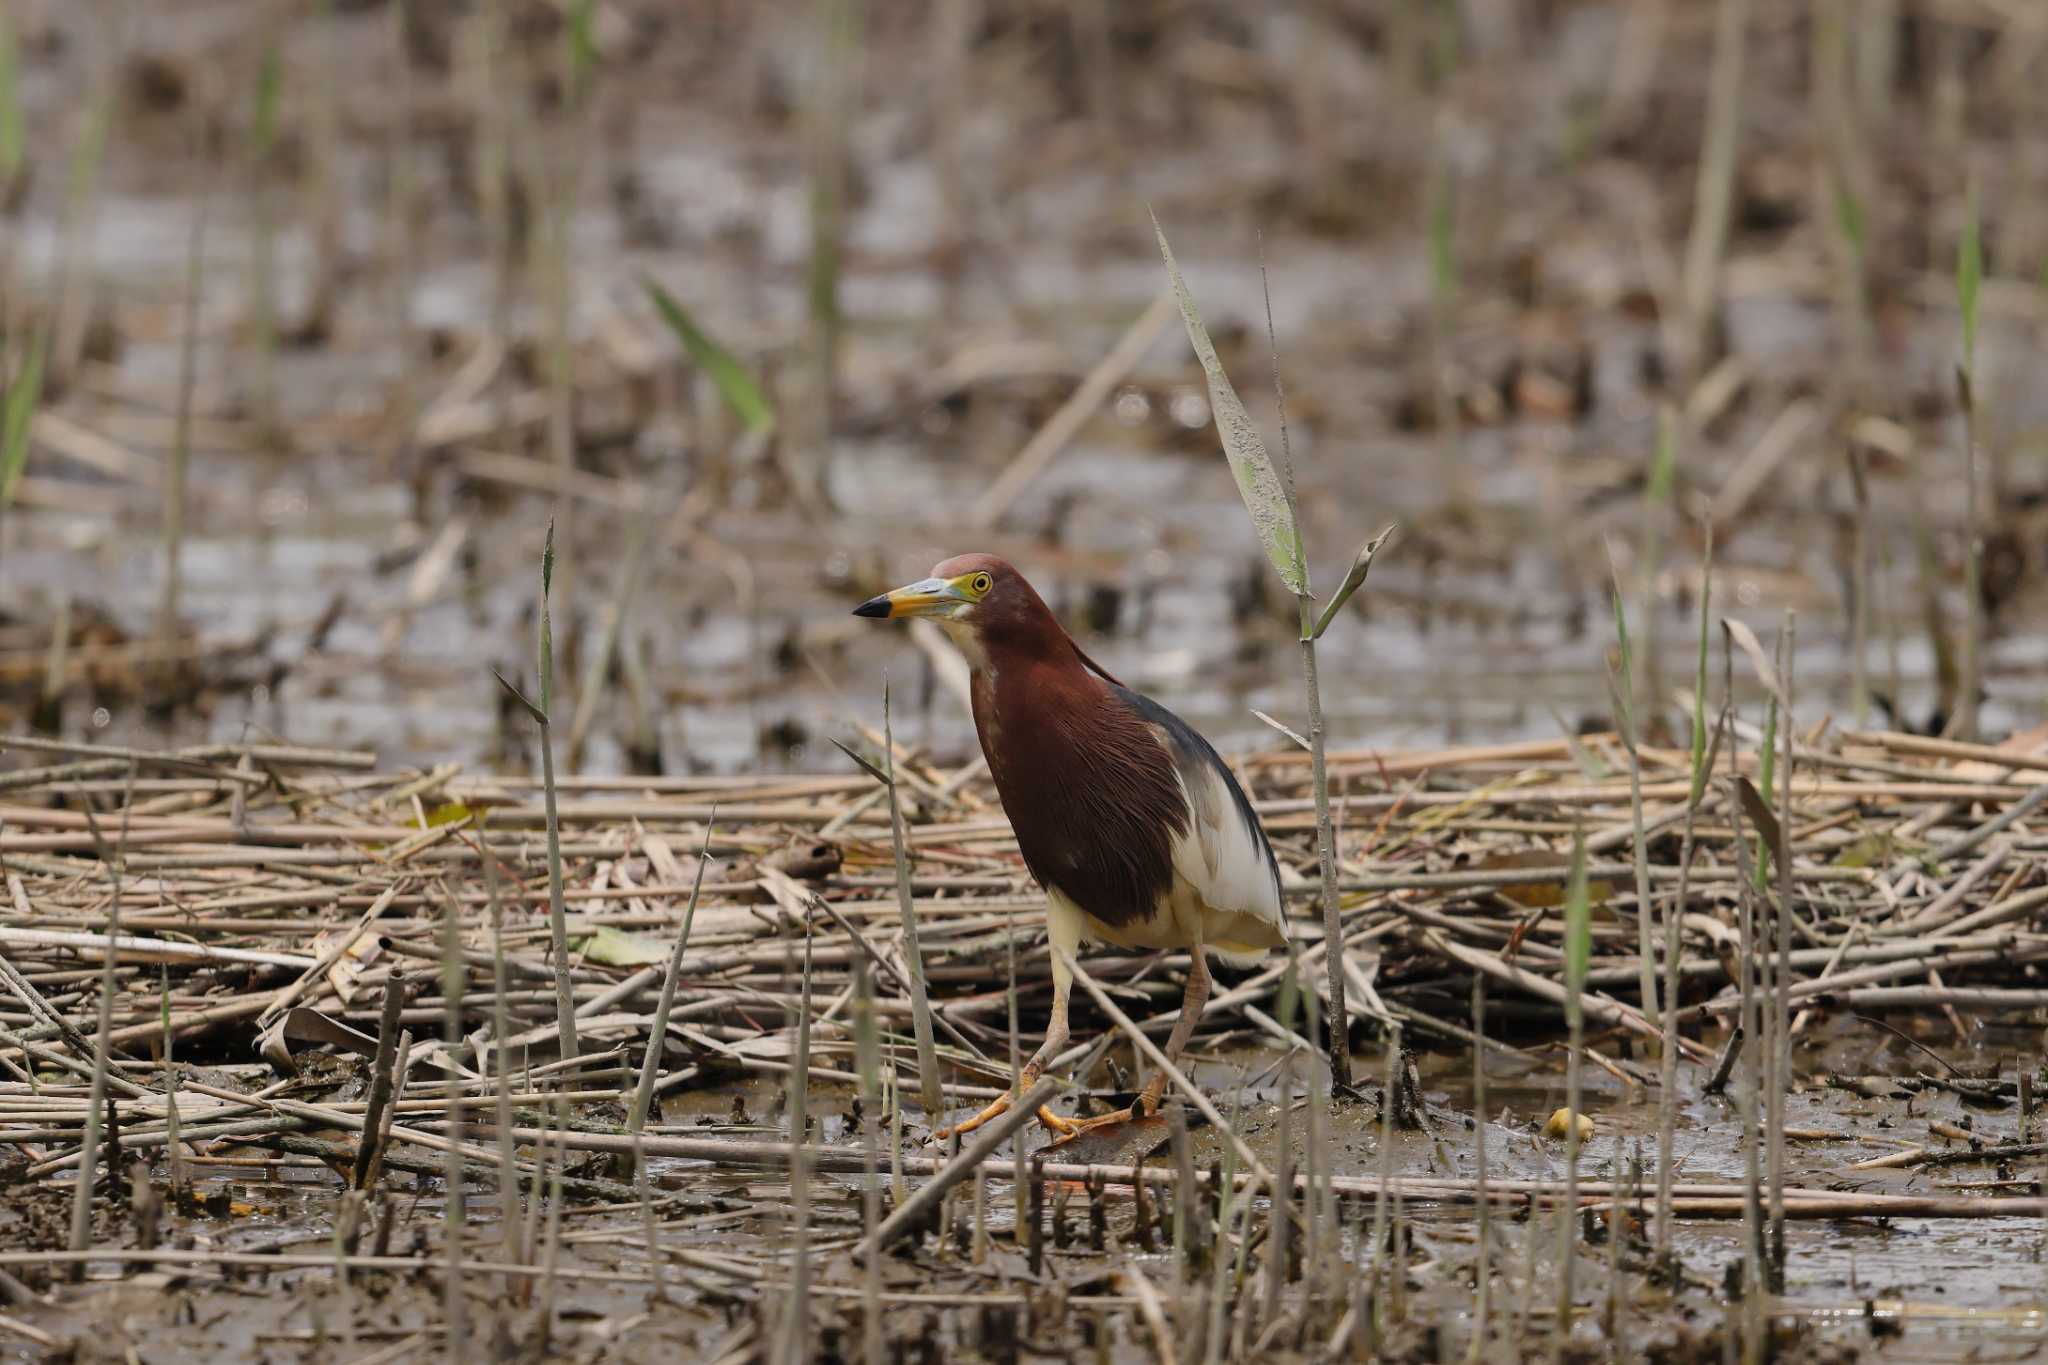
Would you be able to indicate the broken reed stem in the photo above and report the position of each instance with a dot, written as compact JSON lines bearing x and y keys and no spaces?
{"x":173,"y":1144}
{"x":181,"y":423}
{"x":1326,"y":857}
{"x":558,"y":925}
{"x":1016,"y":1055}
{"x":454,"y":975}
{"x":841,"y":30}
{"x":1704,"y":752}
{"x":1220,"y":1267}
{"x":649,"y":1229}
{"x":263,"y":228}
{"x":867,"y":1054}
{"x":404,"y":243}
{"x":1860,"y":571}
{"x":1963,"y":724}
{"x":1383,"y":1188}
{"x":657,"y":1039}
{"x":495,"y":172}
{"x":639,"y":535}
{"x":102,"y":1045}
{"x":536,"y":1204}
{"x":797,"y":1324}
{"x":1658,"y":503}
{"x":1610,"y":1324}
{"x":1624,"y":683}
{"x":562,"y":186}
{"x":551,"y":1253}
{"x":25,"y":991}
{"x":1713,"y":193}
{"x":78,"y":222}
{"x":381,"y":1068}
{"x":325,"y":207}
{"x":920,"y":1001}
{"x":1278,"y":1219}
{"x":1568,"y":1210}
{"x":1842,"y":199}
{"x":1781,"y":975}
{"x":1482,"y":1312}
{"x":1749,"y":1093}
{"x":508,"y":1166}
{"x":1322,"y":1255}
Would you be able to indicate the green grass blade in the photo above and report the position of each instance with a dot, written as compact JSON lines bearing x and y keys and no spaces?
{"x":11,"y":138}
{"x":1353,"y":581}
{"x":1626,"y":671}
{"x":547,"y":628}
{"x":1578,"y":929}
{"x":540,"y":717}
{"x":1849,"y":216}
{"x":1699,"y":682}
{"x":1289,"y":1003}
{"x":1969,"y":278}
{"x":269,"y":77}
{"x":1663,"y":461}
{"x":735,"y":385}
{"x":15,"y":411}
{"x":1266,"y":495}
{"x":867,"y":766}
{"x":582,"y":44}
{"x":1766,"y":765}
{"x":1443,"y":224}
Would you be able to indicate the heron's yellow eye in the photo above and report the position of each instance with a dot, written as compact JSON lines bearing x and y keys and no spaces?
{"x":980,"y":584}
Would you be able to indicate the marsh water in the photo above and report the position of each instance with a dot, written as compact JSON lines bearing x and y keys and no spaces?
{"x":351,"y":585}
{"x":1904,"y":1289}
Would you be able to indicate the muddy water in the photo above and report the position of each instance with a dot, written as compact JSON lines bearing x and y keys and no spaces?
{"x":1903,"y":1289}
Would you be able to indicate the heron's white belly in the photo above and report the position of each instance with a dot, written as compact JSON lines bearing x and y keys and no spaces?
{"x":1181,"y":919}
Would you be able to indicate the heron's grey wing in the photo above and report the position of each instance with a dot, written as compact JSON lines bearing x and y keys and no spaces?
{"x":1224,"y":854}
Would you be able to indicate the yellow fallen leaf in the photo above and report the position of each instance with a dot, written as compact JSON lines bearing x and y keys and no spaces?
{"x":615,"y":948}
{"x":1558,"y":1126}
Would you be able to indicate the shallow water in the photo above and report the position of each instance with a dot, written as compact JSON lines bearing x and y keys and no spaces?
{"x":1842,"y":1276}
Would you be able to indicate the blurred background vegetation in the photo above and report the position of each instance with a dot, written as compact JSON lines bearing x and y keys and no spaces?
{"x":314,"y":312}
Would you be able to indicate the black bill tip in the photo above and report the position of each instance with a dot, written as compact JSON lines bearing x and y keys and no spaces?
{"x":877,"y":607}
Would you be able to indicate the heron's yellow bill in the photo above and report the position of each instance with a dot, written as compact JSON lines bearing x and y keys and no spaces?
{"x":926,"y":597}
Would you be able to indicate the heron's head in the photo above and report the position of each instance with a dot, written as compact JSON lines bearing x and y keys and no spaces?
{"x":992,"y":613}
{"x":967,"y":590}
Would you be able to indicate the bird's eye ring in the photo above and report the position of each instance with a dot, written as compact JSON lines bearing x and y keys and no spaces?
{"x":981,"y":584}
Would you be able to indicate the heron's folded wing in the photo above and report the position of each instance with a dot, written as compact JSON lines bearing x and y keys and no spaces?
{"x":1224,"y":854}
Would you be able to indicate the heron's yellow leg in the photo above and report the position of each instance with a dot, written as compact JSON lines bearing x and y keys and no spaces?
{"x":1055,"y":1039}
{"x":1195,"y":997}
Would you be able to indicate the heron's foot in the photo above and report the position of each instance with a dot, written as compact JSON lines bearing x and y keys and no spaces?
{"x":1061,"y":1128}
{"x":996,"y":1109}
{"x":1071,"y":1130}
{"x":1000,"y":1106}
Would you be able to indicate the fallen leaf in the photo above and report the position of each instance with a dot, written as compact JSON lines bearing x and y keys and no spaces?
{"x":615,"y":948}
{"x":1558,"y":1126}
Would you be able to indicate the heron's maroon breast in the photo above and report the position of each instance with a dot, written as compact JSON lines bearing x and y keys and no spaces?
{"x":1088,"y":789}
